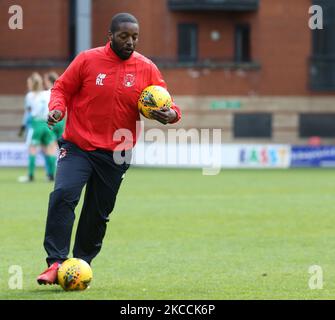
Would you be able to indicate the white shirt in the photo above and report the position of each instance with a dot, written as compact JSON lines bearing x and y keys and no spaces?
{"x":37,"y":102}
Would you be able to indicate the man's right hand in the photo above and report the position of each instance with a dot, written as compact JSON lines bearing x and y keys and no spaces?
{"x":54,"y":116}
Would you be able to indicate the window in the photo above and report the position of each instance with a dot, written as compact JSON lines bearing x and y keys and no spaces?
{"x":320,"y":124}
{"x":187,"y":42}
{"x":242,"y":43}
{"x":322,"y":69}
{"x":321,"y":44}
{"x":252,"y":125}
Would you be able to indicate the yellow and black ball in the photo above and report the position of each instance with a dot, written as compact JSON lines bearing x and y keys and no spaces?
{"x":74,"y":274}
{"x":153,"y":98}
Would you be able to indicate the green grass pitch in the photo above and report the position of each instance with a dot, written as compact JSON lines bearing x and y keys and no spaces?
{"x":176,"y":234}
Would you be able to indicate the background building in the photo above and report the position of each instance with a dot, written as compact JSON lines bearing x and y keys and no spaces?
{"x":251,"y":67}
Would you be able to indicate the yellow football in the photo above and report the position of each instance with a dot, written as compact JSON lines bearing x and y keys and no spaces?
{"x":153,"y":97}
{"x":74,"y":274}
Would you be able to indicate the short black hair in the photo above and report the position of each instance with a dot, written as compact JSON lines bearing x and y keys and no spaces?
{"x":120,"y":18}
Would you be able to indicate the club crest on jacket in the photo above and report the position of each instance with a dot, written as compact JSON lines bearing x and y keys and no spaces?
{"x":129,"y":80}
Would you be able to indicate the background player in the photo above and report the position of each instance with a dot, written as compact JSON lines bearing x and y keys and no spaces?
{"x":38,"y":134}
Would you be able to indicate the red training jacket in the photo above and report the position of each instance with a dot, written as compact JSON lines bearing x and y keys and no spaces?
{"x":100,"y":91}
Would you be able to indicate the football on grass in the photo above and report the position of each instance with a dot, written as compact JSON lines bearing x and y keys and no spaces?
{"x":153,"y":98}
{"x":74,"y":274}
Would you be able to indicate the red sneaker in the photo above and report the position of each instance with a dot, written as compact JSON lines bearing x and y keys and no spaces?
{"x":49,"y":276}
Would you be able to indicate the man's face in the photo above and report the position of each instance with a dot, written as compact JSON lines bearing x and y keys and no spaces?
{"x":125,"y":39}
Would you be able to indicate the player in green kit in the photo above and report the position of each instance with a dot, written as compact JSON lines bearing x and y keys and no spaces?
{"x":39,"y":134}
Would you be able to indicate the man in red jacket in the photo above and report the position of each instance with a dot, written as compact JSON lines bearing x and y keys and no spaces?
{"x":99,"y":92}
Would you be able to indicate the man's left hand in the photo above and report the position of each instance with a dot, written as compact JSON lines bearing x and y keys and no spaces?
{"x":164,"y":115}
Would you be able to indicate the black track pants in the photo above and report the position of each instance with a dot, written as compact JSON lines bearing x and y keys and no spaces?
{"x":102,"y":176}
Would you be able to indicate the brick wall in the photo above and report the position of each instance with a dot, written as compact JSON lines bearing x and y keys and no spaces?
{"x":44,"y":37}
{"x":44,"y":34}
{"x":281,"y":42}
{"x":280,"y":37}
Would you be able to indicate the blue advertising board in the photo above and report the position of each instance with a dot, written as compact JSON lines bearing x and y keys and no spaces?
{"x":310,"y":156}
